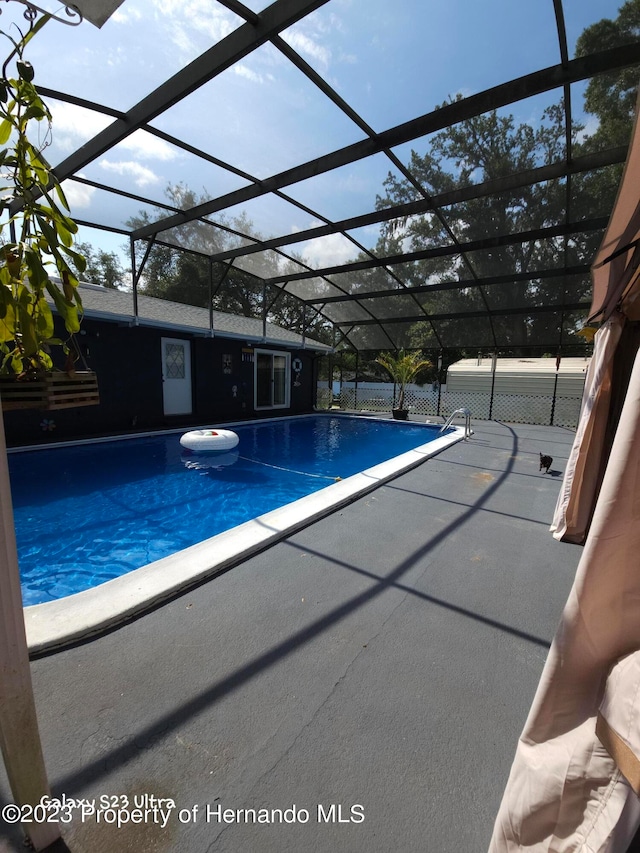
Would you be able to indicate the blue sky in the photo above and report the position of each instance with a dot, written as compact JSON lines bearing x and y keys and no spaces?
{"x":390,"y":61}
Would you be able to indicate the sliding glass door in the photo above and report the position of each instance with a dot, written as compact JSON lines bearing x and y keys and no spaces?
{"x":272,"y":371}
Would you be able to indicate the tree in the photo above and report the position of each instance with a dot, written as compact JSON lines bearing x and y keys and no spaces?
{"x":403,"y":368}
{"x":612,"y":97}
{"x":101,"y":267}
{"x":486,"y":148}
{"x":480,"y":149}
{"x":186,"y":276}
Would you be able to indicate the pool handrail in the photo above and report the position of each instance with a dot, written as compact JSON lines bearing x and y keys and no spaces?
{"x":468,"y":432}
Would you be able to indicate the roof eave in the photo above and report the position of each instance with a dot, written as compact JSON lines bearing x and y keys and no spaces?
{"x":200,"y":331}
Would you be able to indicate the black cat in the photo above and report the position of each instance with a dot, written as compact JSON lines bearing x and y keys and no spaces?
{"x":545,"y":462}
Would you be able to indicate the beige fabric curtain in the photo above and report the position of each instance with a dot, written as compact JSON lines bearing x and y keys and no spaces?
{"x":616,"y":297}
{"x":582,"y":473}
{"x":574,"y":786}
{"x":566,"y":792}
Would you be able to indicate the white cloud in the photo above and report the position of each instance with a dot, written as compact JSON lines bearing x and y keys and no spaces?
{"x":328,"y":251}
{"x":327,"y":25}
{"x":243,"y":71}
{"x":148,"y":146}
{"x":74,"y":125}
{"x":125,"y":14}
{"x":78,"y":195}
{"x":190,"y":22}
{"x":115,"y":57}
{"x":309,"y":47}
{"x":142,"y":176}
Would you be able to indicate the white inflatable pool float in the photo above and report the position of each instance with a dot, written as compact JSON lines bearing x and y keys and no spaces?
{"x":209,"y":439}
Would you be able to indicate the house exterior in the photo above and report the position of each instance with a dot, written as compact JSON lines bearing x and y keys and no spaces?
{"x":163,"y":364}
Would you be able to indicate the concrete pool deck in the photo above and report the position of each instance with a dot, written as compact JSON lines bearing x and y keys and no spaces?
{"x":379,"y":662}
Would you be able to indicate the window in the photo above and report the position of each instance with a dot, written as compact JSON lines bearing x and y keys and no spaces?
{"x":272,"y":370}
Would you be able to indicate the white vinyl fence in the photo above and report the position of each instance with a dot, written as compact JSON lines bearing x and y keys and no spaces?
{"x":432,"y":400}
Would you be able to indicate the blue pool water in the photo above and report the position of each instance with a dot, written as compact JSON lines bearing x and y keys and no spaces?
{"x":101,"y":510}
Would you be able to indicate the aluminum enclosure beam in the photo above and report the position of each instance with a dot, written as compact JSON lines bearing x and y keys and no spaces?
{"x":582,"y":226}
{"x":515,"y":90}
{"x":224,"y":54}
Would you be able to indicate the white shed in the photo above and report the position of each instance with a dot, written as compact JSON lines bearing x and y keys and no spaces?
{"x":536,"y":376}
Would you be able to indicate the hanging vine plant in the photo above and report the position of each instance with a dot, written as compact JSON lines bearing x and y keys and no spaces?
{"x":36,"y":230}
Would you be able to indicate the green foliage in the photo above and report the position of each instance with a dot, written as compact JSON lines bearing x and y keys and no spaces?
{"x":487,"y":148}
{"x":612,"y":97}
{"x":185,"y":277}
{"x":100,"y":267}
{"x":34,"y":212}
{"x":403,"y":368}
{"x":458,"y":314}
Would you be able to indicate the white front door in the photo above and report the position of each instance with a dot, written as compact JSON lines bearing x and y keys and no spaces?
{"x":176,"y":376}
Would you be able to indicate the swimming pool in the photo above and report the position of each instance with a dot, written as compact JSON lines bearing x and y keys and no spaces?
{"x":107,"y":508}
